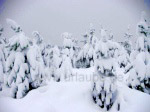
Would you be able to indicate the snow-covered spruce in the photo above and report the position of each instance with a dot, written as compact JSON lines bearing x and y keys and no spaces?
{"x":83,"y":60}
{"x":85,"y":57}
{"x":52,"y":61}
{"x":3,"y":42}
{"x":14,"y":26}
{"x":123,"y":58}
{"x":39,"y":41}
{"x":17,"y":67}
{"x":1,"y":30}
{"x":71,"y":44}
{"x":2,"y":56}
{"x":36,"y":65}
{"x":104,"y":89}
{"x":140,"y":74}
{"x":47,"y":55}
{"x":110,"y":36}
{"x":75,"y":51}
{"x":24,"y":65}
{"x":45,"y":51}
{"x":37,"y":37}
{"x":127,"y":42}
{"x":55,"y":63}
{"x":65,"y":69}
{"x":60,"y":60}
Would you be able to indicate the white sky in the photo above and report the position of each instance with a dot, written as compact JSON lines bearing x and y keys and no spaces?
{"x":53,"y":17}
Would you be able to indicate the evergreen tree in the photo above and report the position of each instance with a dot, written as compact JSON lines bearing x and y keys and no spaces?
{"x":65,"y":70}
{"x":111,"y":36}
{"x":17,"y":67}
{"x":86,"y":55}
{"x":47,"y":54}
{"x":148,"y":39}
{"x":104,"y":89}
{"x":36,"y":64}
{"x":81,"y":60}
{"x":140,"y":78}
{"x":55,"y":63}
{"x":127,"y":42}
{"x":85,"y":38}
{"x":69,"y":43}
{"x":39,"y":41}
{"x":2,"y":57}
{"x":74,"y":52}
{"x":92,"y":37}
{"x":65,"y":67}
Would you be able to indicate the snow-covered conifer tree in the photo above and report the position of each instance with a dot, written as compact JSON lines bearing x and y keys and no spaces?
{"x":1,"y":30}
{"x":52,"y":60}
{"x":36,"y":64}
{"x":39,"y":41}
{"x":82,"y":60}
{"x":47,"y":55}
{"x":37,"y":37}
{"x":86,"y":37}
{"x":148,"y":39}
{"x":67,"y":40}
{"x":92,"y":38}
{"x":64,"y":65}
{"x":2,"y":56}
{"x":111,"y":36}
{"x":17,"y":67}
{"x":123,"y":58}
{"x":74,"y":52}
{"x":47,"y":58}
{"x":127,"y":42}
{"x":70,"y":44}
{"x":140,"y":78}
{"x":55,"y":62}
{"x":14,"y":26}
{"x":65,"y":70}
{"x":86,"y":55}
{"x":104,"y":90}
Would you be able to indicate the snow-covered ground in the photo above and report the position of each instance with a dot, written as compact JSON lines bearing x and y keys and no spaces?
{"x":73,"y":95}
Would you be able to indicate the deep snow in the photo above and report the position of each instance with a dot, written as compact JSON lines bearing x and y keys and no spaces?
{"x":71,"y":96}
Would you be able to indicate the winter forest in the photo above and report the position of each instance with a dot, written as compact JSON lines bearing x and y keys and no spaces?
{"x":94,"y":74}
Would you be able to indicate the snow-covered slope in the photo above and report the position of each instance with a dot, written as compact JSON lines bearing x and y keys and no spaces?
{"x":73,"y":95}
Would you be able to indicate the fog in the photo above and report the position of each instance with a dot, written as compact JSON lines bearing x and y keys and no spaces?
{"x":53,"y":17}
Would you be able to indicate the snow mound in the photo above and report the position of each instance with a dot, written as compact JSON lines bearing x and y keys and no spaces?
{"x":74,"y":96}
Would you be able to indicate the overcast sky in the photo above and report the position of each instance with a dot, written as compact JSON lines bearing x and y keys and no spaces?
{"x":53,"y":17}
